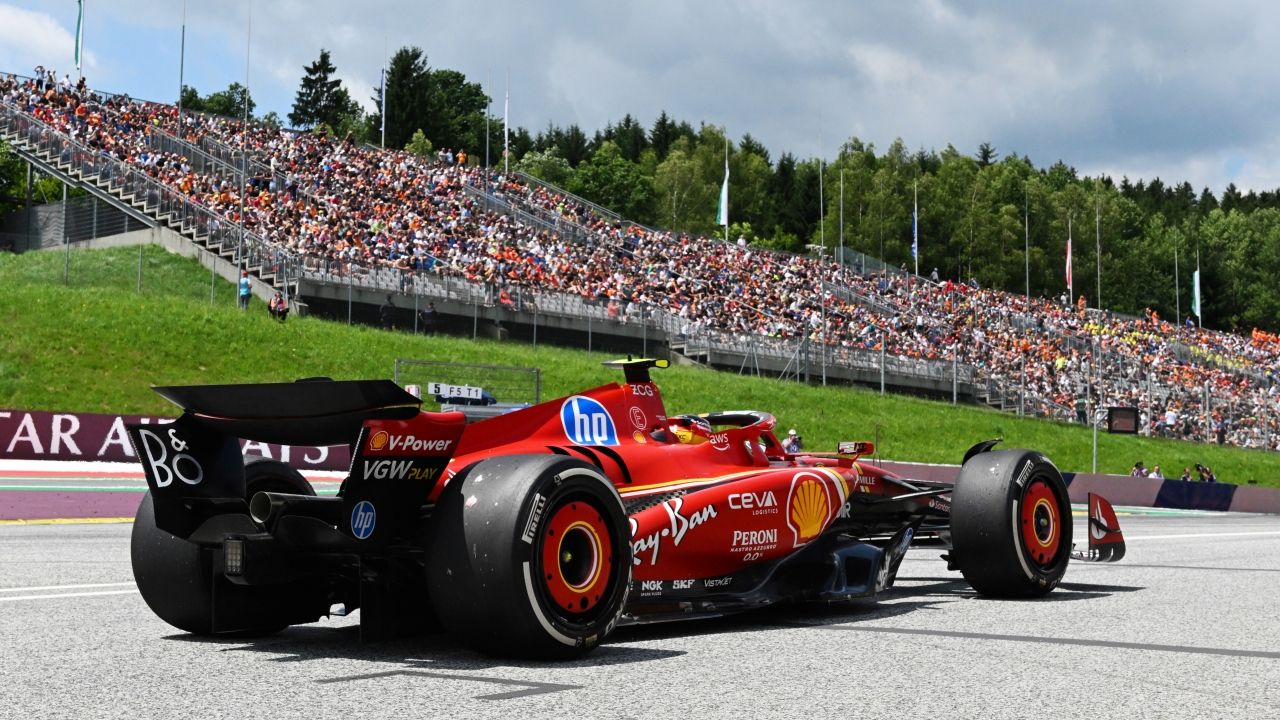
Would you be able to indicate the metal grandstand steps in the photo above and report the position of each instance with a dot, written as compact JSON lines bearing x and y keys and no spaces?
{"x":138,"y":196}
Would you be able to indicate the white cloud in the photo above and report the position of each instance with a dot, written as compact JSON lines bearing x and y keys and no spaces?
{"x":1135,"y":88}
{"x":29,"y":38}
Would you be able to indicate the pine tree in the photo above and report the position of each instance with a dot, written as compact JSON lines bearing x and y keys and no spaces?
{"x":662,"y":135}
{"x":987,"y":155}
{"x":321,"y":97}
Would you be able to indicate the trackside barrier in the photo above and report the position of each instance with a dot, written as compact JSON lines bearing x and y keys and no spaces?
{"x":1133,"y":491}
{"x":1195,"y":495}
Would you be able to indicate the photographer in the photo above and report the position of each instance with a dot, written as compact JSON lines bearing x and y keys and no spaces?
{"x":793,"y":443}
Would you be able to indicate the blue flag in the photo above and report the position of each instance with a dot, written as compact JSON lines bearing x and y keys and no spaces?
{"x":915,"y":235}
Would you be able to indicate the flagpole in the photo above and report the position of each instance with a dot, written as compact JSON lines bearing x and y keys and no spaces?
{"x":506,"y":127}
{"x":488,"y":110}
{"x":1026,"y":236}
{"x":384,"y":92}
{"x":1177,"y":286}
{"x":182,"y":62}
{"x":725,"y":198}
{"x":80,"y":41}
{"x":840,"y":260}
{"x":244,"y":134}
{"x":915,"y":225}
{"x":1200,"y":310}
{"x":1097,"y":229}
{"x":1071,"y":292}
{"x":822,"y":205}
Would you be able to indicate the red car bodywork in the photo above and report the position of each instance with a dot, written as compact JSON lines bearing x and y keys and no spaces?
{"x":697,"y":509}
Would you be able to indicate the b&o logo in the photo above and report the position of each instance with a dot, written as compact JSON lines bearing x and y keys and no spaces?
{"x":586,"y":422}
{"x":363,"y":519}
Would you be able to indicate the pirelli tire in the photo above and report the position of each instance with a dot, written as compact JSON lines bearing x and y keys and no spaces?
{"x":175,"y":577}
{"x":1011,"y":524}
{"x":529,"y":556}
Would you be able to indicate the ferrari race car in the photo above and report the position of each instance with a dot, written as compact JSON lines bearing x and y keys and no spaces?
{"x":537,"y":532}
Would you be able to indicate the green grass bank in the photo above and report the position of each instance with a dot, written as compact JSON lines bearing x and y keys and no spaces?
{"x":97,"y":341}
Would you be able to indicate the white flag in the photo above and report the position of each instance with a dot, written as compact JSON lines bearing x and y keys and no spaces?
{"x":722,"y":218}
{"x":79,"y":32}
{"x":1195,"y":292}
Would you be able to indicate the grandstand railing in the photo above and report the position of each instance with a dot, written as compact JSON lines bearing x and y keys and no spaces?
{"x":862,"y":263}
{"x":170,"y":205}
{"x":492,"y":203}
{"x":199,"y":160}
{"x":601,"y":211}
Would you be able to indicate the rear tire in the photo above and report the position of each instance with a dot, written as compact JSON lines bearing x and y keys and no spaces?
{"x":175,"y":577}
{"x":529,"y":556}
{"x":1011,"y":524}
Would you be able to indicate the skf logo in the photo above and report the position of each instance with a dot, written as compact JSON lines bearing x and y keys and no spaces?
{"x":808,"y":508}
{"x":378,"y":441}
{"x":586,"y":422}
{"x":681,"y":584}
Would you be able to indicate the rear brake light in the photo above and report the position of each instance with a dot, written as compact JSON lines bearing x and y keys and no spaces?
{"x":233,"y":557}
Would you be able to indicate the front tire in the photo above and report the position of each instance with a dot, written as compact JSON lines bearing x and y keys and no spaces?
{"x":1011,"y":524}
{"x":529,"y":556}
{"x":175,"y":577}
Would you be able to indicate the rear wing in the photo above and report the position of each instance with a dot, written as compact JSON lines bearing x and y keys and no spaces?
{"x":307,"y":412}
{"x":194,"y":467}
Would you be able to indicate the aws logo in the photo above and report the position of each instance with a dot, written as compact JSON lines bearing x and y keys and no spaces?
{"x":586,"y":422}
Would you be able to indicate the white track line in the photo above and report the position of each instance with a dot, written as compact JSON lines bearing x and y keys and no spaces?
{"x":39,"y":588}
{"x":66,"y":595}
{"x":1128,"y":538}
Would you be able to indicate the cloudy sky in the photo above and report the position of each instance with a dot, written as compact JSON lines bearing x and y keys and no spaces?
{"x":1176,"y":90}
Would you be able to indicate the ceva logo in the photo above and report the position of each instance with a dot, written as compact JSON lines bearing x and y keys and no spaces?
{"x":363,"y":520}
{"x":586,"y":422}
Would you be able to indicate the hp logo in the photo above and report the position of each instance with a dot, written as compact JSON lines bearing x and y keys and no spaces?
{"x":363,"y":519}
{"x":586,"y":422}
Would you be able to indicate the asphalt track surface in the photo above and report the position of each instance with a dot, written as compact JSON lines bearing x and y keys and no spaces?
{"x":1185,"y":627}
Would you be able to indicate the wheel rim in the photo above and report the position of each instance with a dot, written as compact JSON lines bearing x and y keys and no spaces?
{"x":577,"y":555}
{"x":1041,"y":523}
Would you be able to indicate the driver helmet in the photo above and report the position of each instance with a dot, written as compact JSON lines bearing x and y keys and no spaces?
{"x":689,"y":429}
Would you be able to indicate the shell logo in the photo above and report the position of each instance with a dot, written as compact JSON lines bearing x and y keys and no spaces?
{"x":379,"y":440}
{"x":808,"y":508}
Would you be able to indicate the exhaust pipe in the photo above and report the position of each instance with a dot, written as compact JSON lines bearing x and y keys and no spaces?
{"x":266,"y":508}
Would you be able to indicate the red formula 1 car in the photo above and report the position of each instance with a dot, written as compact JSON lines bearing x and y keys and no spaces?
{"x":537,"y":532}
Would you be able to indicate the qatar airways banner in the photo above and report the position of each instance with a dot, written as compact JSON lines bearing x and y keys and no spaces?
{"x":86,"y":436}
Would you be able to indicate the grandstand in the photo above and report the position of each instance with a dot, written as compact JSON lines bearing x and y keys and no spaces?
{"x":342,"y":224}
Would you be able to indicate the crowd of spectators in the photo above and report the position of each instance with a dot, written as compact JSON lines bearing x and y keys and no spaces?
{"x":346,"y":208}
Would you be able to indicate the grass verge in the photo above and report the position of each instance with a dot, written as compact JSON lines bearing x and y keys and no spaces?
{"x":98,"y":342}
